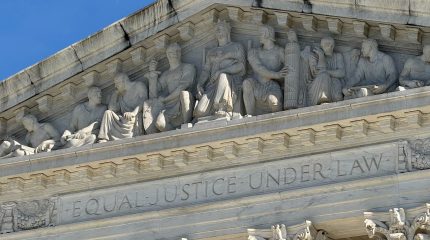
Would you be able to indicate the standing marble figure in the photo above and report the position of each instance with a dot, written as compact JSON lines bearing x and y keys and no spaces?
{"x":122,"y":119}
{"x":219,"y":85}
{"x":171,"y":102}
{"x":375,"y":73}
{"x":416,"y":72}
{"x":262,"y":93}
{"x":85,"y":121}
{"x":327,"y":72}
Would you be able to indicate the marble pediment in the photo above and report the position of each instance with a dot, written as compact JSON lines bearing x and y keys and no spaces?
{"x":334,"y":149}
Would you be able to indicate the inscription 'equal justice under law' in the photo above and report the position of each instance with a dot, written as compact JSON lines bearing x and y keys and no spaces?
{"x":175,"y":193}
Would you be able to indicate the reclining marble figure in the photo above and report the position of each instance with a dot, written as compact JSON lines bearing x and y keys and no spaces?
{"x":326,"y":72}
{"x":171,"y":101}
{"x":40,"y":137}
{"x":219,"y":85}
{"x":262,"y":93}
{"x":416,"y":71}
{"x":375,"y":73}
{"x":85,"y":121}
{"x":123,"y":119}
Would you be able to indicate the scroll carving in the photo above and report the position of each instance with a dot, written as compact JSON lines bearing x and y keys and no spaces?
{"x":304,"y":231}
{"x":20,"y":216}
{"x":396,"y":225}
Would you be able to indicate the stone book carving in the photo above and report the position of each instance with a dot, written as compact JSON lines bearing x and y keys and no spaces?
{"x":375,"y":73}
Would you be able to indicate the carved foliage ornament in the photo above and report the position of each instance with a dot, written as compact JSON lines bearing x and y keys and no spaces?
{"x":20,"y":216}
{"x":419,"y":153}
{"x":304,"y":231}
{"x":397,"y":226}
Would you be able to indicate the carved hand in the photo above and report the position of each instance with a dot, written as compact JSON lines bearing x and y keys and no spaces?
{"x":129,"y":116}
{"x":319,"y":52}
{"x":45,"y":146}
{"x":283,"y":72}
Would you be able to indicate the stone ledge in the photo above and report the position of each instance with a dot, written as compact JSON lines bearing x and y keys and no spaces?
{"x":350,"y":199}
{"x":377,"y":119}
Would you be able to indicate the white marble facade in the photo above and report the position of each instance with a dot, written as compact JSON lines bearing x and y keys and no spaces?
{"x":259,"y":120}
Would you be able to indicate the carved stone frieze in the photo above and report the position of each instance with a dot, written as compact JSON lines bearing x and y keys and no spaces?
{"x":20,"y":216}
{"x":304,"y":231}
{"x":398,"y":224}
{"x":418,"y":153}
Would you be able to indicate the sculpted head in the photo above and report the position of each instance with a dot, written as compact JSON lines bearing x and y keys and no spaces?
{"x":121,"y":80}
{"x":173,"y":53}
{"x":95,"y":95}
{"x":369,"y":47}
{"x":267,"y":33}
{"x":327,"y":45}
{"x":292,"y":36}
{"x":426,"y":53}
{"x":222,"y":31}
{"x":30,"y":122}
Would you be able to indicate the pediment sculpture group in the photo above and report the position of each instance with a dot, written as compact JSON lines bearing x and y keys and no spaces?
{"x":281,"y":79}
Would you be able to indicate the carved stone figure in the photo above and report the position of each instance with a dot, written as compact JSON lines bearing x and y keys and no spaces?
{"x":305,"y":231}
{"x":327,"y":71}
{"x":262,"y":93}
{"x":85,"y":121}
{"x":122,"y":119}
{"x":219,"y":85}
{"x":416,"y":71}
{"x":41,"y":137}
{"x":375,"y":73}
{"x":398,"y":227}
{"x":171,"y":102}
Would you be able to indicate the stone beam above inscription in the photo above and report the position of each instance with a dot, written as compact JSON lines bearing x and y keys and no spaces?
{"x":399,"y":224}
{"x":304,"y":231}
{"x":281,"y":175}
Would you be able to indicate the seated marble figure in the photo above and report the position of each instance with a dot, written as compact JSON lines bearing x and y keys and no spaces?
{"x":327,"y":71}
{"x":171,"y":101}
{"x":416,"y":71}
{"x":85,"y":121}
{"x":220,"y":83}
{"x":262,"y":93}
{"x":40,"y":137}
{"x":123,"y":119}
{"x":375,"y":73}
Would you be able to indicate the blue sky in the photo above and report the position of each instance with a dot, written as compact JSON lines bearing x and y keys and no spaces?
{"x":32,"y":30}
